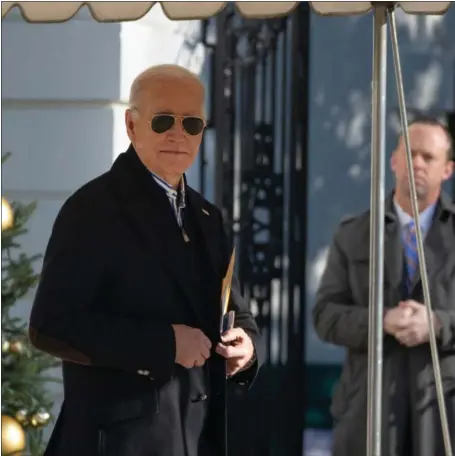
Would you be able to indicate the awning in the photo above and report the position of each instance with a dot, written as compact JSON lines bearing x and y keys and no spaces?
{"x":130,"y":11}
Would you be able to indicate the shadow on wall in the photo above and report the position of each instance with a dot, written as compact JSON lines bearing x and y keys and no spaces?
{"x":340,"y":121}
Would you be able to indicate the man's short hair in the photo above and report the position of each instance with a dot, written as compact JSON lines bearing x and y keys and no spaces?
{"x":145,"y":79}
{"x":434,"y":122}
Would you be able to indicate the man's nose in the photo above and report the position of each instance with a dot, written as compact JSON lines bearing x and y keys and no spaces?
{"x":418,"y":162}
{"x":176,"y":132}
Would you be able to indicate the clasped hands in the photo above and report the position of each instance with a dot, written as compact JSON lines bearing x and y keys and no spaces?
{"x":193,"y":348}
{"x":408,"y":323}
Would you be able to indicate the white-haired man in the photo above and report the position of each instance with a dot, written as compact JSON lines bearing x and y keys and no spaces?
{"x":130,"y":290}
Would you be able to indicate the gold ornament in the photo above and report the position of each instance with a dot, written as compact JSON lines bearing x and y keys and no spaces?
{"x":22,"y":416}
{"x":40,"y":418}
{"x":5,"y":346}
{"x":13,"y":437}
{"x":16,"y":347}
{"x":7,"y":215}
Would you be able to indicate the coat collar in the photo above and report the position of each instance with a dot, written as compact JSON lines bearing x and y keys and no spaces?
{"x":437,"y":243}
{"x":444,"y":208}
{"x":146,"y":206}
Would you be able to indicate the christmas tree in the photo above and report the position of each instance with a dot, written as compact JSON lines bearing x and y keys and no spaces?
{"x":26,"y":402}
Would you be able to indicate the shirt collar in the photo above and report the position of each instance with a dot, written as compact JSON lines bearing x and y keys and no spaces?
{"x":177,"y":194}
{"x":425,"y":217}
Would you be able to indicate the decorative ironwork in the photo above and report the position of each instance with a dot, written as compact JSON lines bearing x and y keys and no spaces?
{"x":259,"y":118}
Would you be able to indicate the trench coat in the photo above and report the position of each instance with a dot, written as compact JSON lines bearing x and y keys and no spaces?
{"x":410,"y":415}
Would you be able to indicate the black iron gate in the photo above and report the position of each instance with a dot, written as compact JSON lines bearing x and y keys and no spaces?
{"x":258,"y":120}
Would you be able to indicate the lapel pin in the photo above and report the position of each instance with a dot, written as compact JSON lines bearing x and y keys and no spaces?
{"x":205,"y":212}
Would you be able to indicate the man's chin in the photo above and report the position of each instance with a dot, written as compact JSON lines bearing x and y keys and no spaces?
{"x":421,"y":192}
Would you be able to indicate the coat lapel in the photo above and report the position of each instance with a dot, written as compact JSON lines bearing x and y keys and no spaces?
{"x":206,"y":222}
{"x":393,"y":253}
{"x":147,"y":208}
{"x":393,"y":250}
{"x":208,"y":226}
{"x":437,"y":246}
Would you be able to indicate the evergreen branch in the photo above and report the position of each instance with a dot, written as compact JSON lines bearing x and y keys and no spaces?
{"x":26,"y":371}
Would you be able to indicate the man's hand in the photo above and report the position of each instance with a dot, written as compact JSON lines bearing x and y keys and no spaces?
{"x":237,"y":347}
{"x":192,"y":346}
{"x":417,"y":332}
{"x":397,"y":319}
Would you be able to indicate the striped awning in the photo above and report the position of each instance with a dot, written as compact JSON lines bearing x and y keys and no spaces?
{"x":129,"y":11}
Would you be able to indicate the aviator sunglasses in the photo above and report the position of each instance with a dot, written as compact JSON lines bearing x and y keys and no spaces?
{"x":192,"y":125}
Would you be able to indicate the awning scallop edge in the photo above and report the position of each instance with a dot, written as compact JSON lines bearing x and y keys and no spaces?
{"x":129,"y":11}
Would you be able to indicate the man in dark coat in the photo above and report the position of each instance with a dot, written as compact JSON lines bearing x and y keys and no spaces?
{"x":410,"y":424}
{"x":129,"y":296}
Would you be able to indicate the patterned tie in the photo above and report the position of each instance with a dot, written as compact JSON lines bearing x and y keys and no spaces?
{"x":410,"y":253}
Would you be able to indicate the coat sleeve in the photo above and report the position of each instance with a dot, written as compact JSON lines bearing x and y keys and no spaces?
{"x":336,"y":319}
{"x":74,"y":275}
{"x":243,"y":319}
{"x":446,"y":337}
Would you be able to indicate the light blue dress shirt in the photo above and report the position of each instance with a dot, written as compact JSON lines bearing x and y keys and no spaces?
{"x":425,"y":218}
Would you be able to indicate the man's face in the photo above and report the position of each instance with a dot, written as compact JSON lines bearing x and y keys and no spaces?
{"x":171,"y":153}
{"x":430,"y":162}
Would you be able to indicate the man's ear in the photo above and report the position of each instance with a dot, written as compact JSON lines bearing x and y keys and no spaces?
{"x":393,"y":161}
{"x":448,"y":171}
{"x":129,"y":123}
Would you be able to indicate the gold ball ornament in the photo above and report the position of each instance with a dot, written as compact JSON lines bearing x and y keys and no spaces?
{"x":13,"y":437}
{"x":22,"y":416}
{"x":16,"y":347}
{"x":7,"y":215}
{"x":5,"y":346}
{"x":40,"y":418}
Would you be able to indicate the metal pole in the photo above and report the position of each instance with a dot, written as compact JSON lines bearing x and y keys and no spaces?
{"x":376,"y":305}
{"x":420,"y":248}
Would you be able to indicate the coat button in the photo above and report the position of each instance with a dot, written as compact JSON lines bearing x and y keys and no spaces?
{"x":200,"y":398}
{"x":143,"y":372}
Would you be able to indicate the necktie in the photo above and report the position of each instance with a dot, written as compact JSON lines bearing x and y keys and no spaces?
{"x":410,"y":253}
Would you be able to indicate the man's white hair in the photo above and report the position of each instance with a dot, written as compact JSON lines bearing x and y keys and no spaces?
{"x":157,"y":73}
